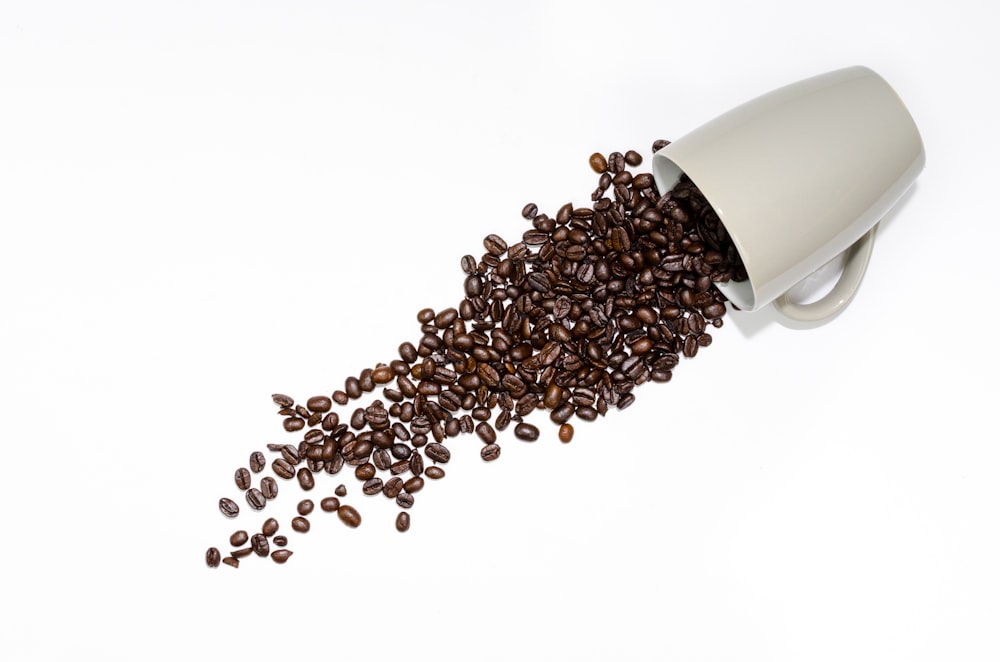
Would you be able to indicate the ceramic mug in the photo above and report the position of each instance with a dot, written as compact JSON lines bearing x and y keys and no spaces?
{"x":798,"y":176}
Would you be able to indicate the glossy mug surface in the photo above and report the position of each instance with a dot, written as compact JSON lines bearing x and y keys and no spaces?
{"x":798,"y":176}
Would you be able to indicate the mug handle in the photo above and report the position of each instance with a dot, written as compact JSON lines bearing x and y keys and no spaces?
{"x":842,"y":293}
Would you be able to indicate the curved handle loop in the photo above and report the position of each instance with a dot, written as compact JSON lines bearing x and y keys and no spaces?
{"x":842,"y":293}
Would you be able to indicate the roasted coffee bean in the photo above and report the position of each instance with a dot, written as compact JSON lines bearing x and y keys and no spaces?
{"x":330,"y":504}
{"x":305,"y":507}
{"x":392,"y":487}
{"x":256,"y":499}
{"x":495,"y":245}
{"x":404,"y":500}
{"x":486,"y":433}
{"x":269,"y":487}
{"x":257,"y":462}
{"x":598,"y":163}
{"x":414,"y":485}
{"x":434,"y":472}
{"x":213,"y":557}
{"x":565,"y":433}
{"x":349,"y":516}
{"x":438,"y":453}
{"x":243,"y":480}
{"x":526,"y":432}
{"x":293,"y":424}
{"x":633,"y":158}
{"x":290,"y":454}
{"x":562,"y":413}
{"x":305,"y":477}
{"x":416,"y":464}
{"x":364,"y":471}
{"x":282,"y":400}
{"x":259,"y":544}
{"x":241,"y":553}
{"x":372,"y":486}
{"x":280,"y":541}
{"x":228,"y":507}
{"x":659,"y":144}
{"x":490,"y":452}
{"x":281,"y":555}
{"x":270,"y":526}
{"x":282,"y":468}
{"x":300,"y":524}
{"x":530,"y":211}
{"x":231,"y":561}
{"x":402,"y":522}
{"x":238,"y":538}
{"x":340,"y":491}
{"x":319,"y":403}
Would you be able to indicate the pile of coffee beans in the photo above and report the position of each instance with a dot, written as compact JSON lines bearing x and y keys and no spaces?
{"x":589,"y":304}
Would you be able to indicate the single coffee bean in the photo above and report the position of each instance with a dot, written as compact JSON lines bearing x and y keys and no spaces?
{"x":319,"y":403}
{"x":293,"y":424}
{"x":256,"y":499}
{"x":414,"y":485}
{"x":565,"y":433}
{"x":434,"y":472}
{"x":438,"y":453}
{"x":349,"y":516}
{"x":242,"y":553}
{"x":485,"y":432}
{"x":416,"y":464}
{"x":300,"y":524}
{"x":364,"y":471}
{"x":257,"y":462}
{"x":269,"y":487}
{"x":213,"y":557}
{"x":305,"y":477}
{"x":341,"y":490}
{"x":495,"y":245}
{"x":526,"y":432}
{"x":392,"y":487}
{"x":238,"y":538}
{"x":283,"y":468}
{"x":598,"y":163}
{"x":282,"y":400}
{"x":402,"y":522}
{"x":259,"y":544}
{"x":243,"y":480}
{"x":633,"y":158}
{"x":231,"y":561}
{"x":305,"y":507}
{"x":530,"y":211}
{"x":330,"y":504}
{"x":372,"y":486}
{"x":280,"y":541}
{"x":404,"y":500}
{"x":228,"y":507}
{"x":490,"y":452}
{"x":270,"y":527}
{"x":281,"y":555}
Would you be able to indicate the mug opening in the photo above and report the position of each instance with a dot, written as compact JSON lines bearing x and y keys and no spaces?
{"x":666,"y":173}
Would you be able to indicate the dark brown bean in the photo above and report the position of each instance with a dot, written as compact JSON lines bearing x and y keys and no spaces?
{"x":305,"y":507}
{"x":259,"y":544}
{"x":269,"y":487}
{"x":243,"y":479}
{"x":490,"y":452}
{"x":330,"y":504}
{"x":270,"y":527}
{"x":228,"y":507}
{"x":349,"y":516}
{"x":281,"y":555}
{"x":256,"y":499}
{"x":257,"y":462}
{"x":280,"y":541}
{"x":300,"y":524}
{"x":434,"y":472}
{"x":213,"y":557}
{"x":238,"y":538}
{"x":526,"y":432}
{"x":340,"y":491}
{"x":231,"y":561}
{"x":305,"y":477}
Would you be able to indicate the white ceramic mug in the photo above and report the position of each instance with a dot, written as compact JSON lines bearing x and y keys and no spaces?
{"x":798,"y":176}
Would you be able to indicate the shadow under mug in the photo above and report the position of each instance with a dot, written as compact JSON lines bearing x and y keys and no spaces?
{"x":798,"y":176}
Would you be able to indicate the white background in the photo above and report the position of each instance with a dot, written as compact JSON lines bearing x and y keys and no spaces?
{"x":203,"y":203}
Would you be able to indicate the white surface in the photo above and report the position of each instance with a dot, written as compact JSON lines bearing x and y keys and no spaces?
{"x":200,"y":202}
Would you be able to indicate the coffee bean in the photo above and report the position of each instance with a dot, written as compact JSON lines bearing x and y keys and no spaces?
{"x":305,"y":477}
{"x":257,"y":462}
{"x":231,"y":561}
{"x":495,"y":245}
{"x":486,"y":433}
{"x":633,"y":158}
{"x":530,"y":211}
{"x":228,"y":507}
{"x":305,"y":507}
{"x":300,"y":524}
{"x":372,"y":486}
{"x":269,"y":487}
{"x":238,"y":538}
{"x":598,"y":163}
{"x":242,"y":553}
{"x":259,"y":544}
{"x":283,"y":468}
{"x":340,"y":491}
{"x":438,"y":453}
{"x":392,"y":487}
{"x":526,"y":432}
{"x":281,"y":555}
{"x":213,"y":557}
{"x":256,"y":499}
{"x":293,"y":424}
{"x":565,"y":433}
{"x":349,"y":516}
{"x":330,"y":504}
{"x":280,"y":541}
{"x":434,"y":472}
{"x":403,"y":522}
{"x":270,"y":526}
{"x":319,"y":403}
{"x":404,"y":500}
{"x":490,"y":452}
{"x":243,"y":480}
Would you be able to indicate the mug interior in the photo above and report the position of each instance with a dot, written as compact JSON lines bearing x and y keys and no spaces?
{"x":667,"y":174}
